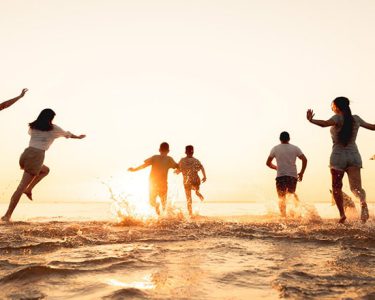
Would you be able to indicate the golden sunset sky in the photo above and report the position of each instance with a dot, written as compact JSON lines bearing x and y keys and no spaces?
{"x":225,"y":76}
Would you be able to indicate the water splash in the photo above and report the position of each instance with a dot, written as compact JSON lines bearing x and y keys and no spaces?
{"x":130,"y":199}
{"x":298,"y":211}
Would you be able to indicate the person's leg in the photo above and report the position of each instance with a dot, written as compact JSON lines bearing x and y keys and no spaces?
{"x":282,"y":205}
{"x":292,"y":186}
{"x":197,"y":192}
{"x":195,"y":185}
{"x":355,"y":182}
{"x":25,"y":181}
{"x":281,"y":193}
{"x":163,"y":199}
{"x":155,"y":204}
{"x":296,"y":199}
{"x":189,"y":200}
{"x":152,"y":198}
{"x":163,"y":193}
{"x":43,"y":173}
{"x":337,"y":176}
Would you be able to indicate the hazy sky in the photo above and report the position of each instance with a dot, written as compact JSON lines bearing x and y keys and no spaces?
{"x":225,"y":76}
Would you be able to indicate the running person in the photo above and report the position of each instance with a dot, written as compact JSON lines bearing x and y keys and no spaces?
{"x":190,"y":166}
{"x":345,"y":157}
{"x":160,"y":165}
{"x":287,"y":176}
{"x":42,"y":133}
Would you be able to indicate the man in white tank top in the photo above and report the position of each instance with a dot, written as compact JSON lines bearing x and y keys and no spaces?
{"x":287,"y":176}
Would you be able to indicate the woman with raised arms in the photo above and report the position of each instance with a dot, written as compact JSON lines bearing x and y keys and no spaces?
{"x":43,"y":132}
{"x":345,"y":157}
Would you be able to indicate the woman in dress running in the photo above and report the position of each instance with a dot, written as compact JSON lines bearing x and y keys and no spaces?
{"x":345,"y":156}
{"x":43,"y":132}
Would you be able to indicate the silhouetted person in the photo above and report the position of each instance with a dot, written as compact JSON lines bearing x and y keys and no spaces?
{"x":286,"y":179}
{"x":345,"y":156}
{"x":160,"y":165}
{"x":190,"y":166}
{"x":42,"y":133}
{"x":10,"y":102}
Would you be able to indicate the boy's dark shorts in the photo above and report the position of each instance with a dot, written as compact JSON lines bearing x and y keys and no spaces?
{"x":192,"y":184}
{"x":194,"y":187}
{"x":285,"y":185}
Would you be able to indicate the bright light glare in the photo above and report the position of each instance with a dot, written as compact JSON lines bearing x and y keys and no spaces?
{"x":129,"y":192}
{"x":146,"y":284}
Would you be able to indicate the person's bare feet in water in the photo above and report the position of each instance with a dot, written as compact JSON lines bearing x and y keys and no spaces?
{"x":342,"y":219}
{"x":5,"y":219}
{"x":157,"y":209}
{"x":29,"y":195}
{"x":364,"y":212}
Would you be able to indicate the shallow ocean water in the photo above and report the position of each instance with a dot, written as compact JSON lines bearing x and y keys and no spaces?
{"x":207,"y":257}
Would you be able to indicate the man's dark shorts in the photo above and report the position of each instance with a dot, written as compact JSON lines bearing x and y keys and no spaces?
{"x":285,"y":185}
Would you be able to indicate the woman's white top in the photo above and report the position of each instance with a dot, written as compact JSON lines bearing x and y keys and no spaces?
{"x":43,"y":139}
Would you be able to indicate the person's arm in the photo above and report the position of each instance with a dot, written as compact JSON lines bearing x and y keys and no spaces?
{"x":81,"y":136}
{"x":144,"y":165}
{"x":178,"y":170}
{"x":204,"y":174}
{"x":59,"y":132}
{"x":138,"y":168}
{"x":173,"y":164}
{"x":10,"y":102}
{"x":322,"y":123}
{"x":368,"y":126}
{"x":270,"y":164}
{"x":365,"y":124}
{"x":304,"y":165}
{"x":176,"y":165}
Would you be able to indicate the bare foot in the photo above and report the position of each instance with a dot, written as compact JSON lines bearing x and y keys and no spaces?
{"x":342,"y":220}
{"x":200,"y":196}
{"x":29,"y":195}
{"x":5,"y":219}
{"x":157,"y":209}
{"x":364,"y":213}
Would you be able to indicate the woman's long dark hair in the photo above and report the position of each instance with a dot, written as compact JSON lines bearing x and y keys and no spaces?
{"x":44,"y":120}
{"x":346,"y":132}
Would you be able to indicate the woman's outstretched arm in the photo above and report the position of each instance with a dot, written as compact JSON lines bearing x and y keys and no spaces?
{"x":310,"y":117}
{"x":367,"y":125}
{"x":10,"y":102}
{"x":73,"y":136}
